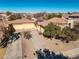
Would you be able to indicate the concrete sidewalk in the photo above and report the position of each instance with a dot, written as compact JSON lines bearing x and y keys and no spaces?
{"x":14,"y":50}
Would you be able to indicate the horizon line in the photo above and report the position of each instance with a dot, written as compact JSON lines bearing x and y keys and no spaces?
{"x":39,"y":11}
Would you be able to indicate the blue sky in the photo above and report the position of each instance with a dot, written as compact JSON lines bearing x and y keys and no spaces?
{"x":39,"y":5}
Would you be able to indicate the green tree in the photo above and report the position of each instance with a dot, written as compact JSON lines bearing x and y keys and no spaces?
{"x":8,"y":13}
{"x":76,"y":25}
{"x":18,"y":16}
{"x":71,"y":34}
{"x":29,"y":17}
{"x":51,"y":30}
{"x":53,"y":15}
{"x":49,"y":16}
{"x":69,"y":13}
{"x":41,"y":14}
{"x":59,"y":15}
{"x":14,"y":17}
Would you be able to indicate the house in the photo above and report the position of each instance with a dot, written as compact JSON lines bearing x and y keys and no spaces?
{"x":57,"y":21}
{"x":74,"y":16}
{"x":41,"y":25}
{"x":22,"y":24}
{"x":72,"y":19}
{"x":66,"y":16}
{"x":34,"y":19}
{"x":40,"y":19}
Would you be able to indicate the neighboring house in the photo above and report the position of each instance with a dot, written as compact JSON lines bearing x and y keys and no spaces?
{"x":66,"y":16}
{"x":41,"y":25}
{"x":73,"y":18}
{"x":22,"y":24}
{"x":40,"y":19}
{"x":57,"y":21}
{"x":34,"y":19}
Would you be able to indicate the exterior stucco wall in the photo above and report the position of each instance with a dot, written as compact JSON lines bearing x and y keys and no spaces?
{"x":71,"y":22}
{"x":24,"y":26}
{"x":40,"y":29}
{"x":62,"y":25}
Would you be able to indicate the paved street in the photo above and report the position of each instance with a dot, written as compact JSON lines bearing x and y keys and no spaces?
{"x":14,"y":50}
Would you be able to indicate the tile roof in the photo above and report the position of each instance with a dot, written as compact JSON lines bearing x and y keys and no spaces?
{"x":54,"y":21}
{"x":44,"y":23}
{"x":19,"y":21}
{"x":58,"y":20}
{"x":76,"y":14}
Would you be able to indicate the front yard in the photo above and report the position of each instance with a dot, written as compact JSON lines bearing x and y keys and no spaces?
{"x":39,"y":42}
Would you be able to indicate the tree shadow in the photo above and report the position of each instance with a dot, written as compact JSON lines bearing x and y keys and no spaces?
{"x":14,"y":37}
{"x":9,"y":39}
{"x":46,"y":54}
